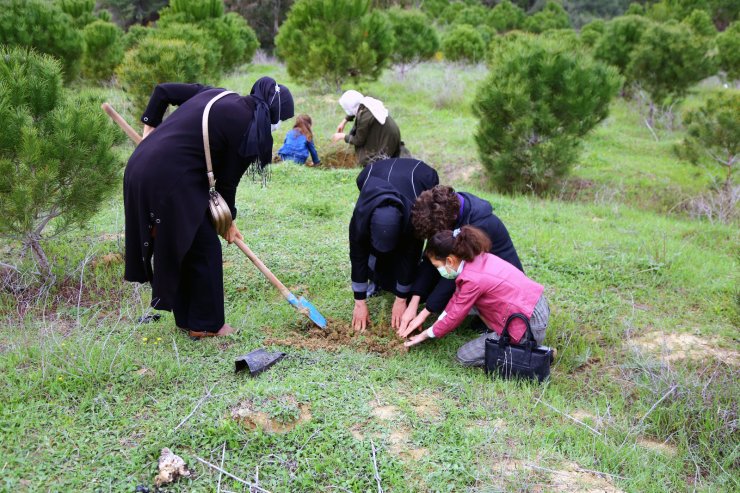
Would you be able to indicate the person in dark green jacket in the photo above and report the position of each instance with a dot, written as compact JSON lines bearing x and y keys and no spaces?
{"x":374,"y":134}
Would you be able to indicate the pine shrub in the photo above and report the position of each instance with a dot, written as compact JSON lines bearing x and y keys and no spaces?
{"x":538,"y":101}
{"x":463,"y":43}
{"x":331,"y":41}
{"x":506,"y":17}
{"x":415,"y":39}
{"x":621,"y":36}
{"x":103,"y":50}
{"x":42,"y":25}
{"x":57,"y":164}
{"x":713,"y":133}
{"x":154,"y":61}
{"x":591,"y":33}
{"x":668,"y":60}
{"x":728,"y":51}
{"x":552,"y":16}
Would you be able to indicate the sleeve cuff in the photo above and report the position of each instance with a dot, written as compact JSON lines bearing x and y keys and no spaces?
{"x":430,"y":332}
{"x":403,"y":290}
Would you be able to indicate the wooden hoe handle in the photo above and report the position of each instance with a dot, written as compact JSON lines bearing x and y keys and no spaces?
{"x":263,"y":268}
{"x":113,"y":114}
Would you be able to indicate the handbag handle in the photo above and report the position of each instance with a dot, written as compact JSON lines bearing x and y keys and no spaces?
{"x":505,"y":332}
{"x":206,"y":140}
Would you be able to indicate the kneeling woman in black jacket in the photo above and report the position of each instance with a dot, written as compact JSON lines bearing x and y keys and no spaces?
{"x":165,"y":192}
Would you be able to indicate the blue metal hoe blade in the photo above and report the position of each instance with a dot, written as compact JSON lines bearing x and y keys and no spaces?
{"x":313,"y":312}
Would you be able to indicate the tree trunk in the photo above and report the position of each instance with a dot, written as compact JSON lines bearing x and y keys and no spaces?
{"x":41,"y":259}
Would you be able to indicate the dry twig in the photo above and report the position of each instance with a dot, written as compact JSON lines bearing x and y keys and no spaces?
{"x":375,"y":465}
{"x":201,"y":401}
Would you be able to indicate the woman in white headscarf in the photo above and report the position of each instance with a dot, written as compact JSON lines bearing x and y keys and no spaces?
{"x":374,"y":134}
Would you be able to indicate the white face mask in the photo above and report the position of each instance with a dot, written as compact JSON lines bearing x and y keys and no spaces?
{"x":275,"y":126}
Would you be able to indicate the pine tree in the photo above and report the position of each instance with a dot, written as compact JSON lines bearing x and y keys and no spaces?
{"x":415,"y":38}
{"x":56,"y":158}
{"x":331,"y":41}
{"x":728,"y":48}
{"x":463,"y":43}
{"x":530,"y":122}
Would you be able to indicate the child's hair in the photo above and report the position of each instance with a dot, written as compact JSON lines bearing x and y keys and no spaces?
{"x":468,"y":244}
{"x":303,"y":124}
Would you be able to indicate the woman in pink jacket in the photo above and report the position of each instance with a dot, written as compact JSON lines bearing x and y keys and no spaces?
{"x":486,"y":283}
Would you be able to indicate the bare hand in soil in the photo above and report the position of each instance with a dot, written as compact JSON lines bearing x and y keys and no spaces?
{"x":398,"y":310}
{"x":414,"y":324}
{"x":408,"y":315}
{"x":360,"y":316}
{"x":417,"y":339}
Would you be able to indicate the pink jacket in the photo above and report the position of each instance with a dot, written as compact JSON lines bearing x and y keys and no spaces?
{"x":497,"y":289}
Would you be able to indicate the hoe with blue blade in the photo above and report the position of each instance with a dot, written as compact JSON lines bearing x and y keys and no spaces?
{"x":301,"y":304}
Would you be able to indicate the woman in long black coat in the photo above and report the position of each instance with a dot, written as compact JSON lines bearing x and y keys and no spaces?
{"x":170,"y":241}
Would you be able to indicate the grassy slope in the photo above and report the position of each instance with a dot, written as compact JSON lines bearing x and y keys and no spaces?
{"x":76,"y":415}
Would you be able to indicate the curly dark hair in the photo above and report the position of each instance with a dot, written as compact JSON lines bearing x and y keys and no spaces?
{"x":435,"y":210}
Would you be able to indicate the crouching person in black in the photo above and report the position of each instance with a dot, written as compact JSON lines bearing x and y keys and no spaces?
{"x":383,"y":250}
{"x":440,"y":209}
{"x":170,"y":241}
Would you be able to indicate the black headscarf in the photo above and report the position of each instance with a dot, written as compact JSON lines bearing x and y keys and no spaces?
{"x":271,"y":106}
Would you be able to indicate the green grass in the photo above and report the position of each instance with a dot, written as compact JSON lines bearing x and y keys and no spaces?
{"x":78,"y":413}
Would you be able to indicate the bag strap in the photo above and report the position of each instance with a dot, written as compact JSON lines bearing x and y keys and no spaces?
{"x":512,"y":317}
{"x":206,"y":140}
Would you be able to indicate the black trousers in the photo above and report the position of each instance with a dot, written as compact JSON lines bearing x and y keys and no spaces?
{"x":199,"y":301}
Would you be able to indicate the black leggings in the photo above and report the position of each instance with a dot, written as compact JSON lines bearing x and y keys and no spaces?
{"x":199,"y":301}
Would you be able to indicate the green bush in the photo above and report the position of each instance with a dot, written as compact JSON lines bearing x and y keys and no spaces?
{"x":103,"y":50}
{"x":228,"y":39}
{"x":621,"y":36}
{"x":80,"y":10}
{"x":463,"y":43}
{"x":135,"y":35}
{"x":500,"y":45}
{"x":591,"y":33}
{"x":553,"y":16}
{"x":473,"y":15}
{"x":331,"y":41}
{"x":415,"y":39}
{"x":700,"y":24}
{"x":155,"y":61}
{"x":43,"y":26}
{"x":57,"y":164}
{"x":193,"y":35}
{"x":238,"y":42}
{"x":195,"y":10}
{"x":728,"y":51}
{"x":635,"y":9}
{"x":506,"y":17}
{"x":530,"y":120}
{"x":669,"y":60}
{"x":713,"y":133}
{"x":450,"y":13}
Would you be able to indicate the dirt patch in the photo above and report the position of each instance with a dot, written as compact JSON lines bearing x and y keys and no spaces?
{"x":426,"y":406}
{"x":339,"y":156}
{"x":486,"y":425}
{"x":675,"y":347}
{"x":248,"y":415}
{"x":339,"y":335}
{"x":569,"y":478}
{"x":386,"y":413}
{"x":107,"y":260}
{"x":655,"y":445}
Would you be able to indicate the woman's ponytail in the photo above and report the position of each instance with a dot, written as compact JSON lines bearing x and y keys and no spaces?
{"x":465,"y":243}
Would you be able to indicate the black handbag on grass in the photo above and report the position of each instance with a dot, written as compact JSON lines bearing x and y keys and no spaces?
{"x":523,"y":360}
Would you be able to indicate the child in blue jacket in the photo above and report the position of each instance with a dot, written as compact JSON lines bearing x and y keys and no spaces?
{"x":299,"y":143}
